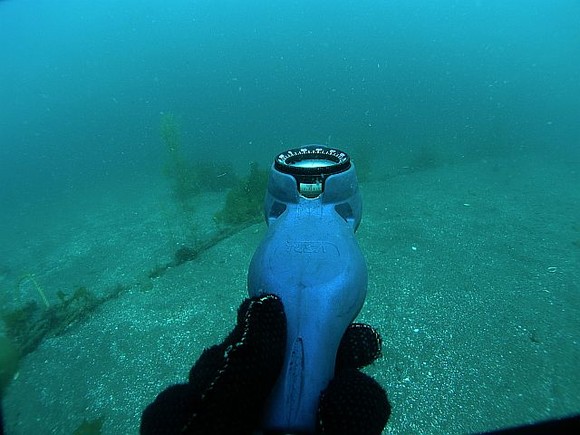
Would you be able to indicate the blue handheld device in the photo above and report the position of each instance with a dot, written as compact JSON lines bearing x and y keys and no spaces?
{"x":312,"y":261}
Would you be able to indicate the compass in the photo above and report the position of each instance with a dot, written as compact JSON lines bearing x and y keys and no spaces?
{"x":310,"y":165}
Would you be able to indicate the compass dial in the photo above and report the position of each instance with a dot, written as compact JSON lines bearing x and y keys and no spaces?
{"x":310,"y":165}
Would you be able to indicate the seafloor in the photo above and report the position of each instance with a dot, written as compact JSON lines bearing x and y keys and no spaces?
{"x":474,"y":284}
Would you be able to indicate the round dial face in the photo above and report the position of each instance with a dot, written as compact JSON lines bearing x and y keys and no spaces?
{"x":312,"y":160}
{"x":310,"y":165}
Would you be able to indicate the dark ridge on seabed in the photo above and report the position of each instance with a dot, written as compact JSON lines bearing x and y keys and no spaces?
{"x":30,"y":329}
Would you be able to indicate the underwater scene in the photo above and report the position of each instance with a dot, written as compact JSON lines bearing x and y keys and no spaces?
{"x":137,"y":141}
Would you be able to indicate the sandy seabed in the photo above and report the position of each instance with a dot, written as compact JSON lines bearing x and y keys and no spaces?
{"x":474,"y":284}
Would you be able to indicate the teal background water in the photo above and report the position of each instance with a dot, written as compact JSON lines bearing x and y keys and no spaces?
{"x":82,"y":83}
{"x":463,"y":118}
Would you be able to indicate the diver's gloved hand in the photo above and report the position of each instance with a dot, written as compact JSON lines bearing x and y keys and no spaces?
{"x":230,"y":383}
{"x":353,"y":402}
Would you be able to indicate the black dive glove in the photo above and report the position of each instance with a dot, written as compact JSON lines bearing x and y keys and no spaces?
{"x":230,"y":383}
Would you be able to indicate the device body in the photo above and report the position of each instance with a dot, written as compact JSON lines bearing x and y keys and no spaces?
{"x":312,"y":261}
